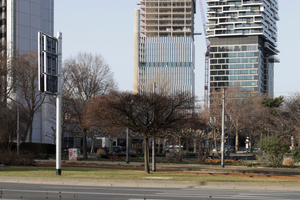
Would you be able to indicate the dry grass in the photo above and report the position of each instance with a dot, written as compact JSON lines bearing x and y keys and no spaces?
{"x":98,"y":173}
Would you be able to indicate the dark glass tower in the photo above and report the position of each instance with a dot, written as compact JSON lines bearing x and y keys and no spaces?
{"x":243,"y":36}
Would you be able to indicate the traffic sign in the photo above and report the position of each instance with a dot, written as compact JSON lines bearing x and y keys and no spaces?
{"x":48,"y":63}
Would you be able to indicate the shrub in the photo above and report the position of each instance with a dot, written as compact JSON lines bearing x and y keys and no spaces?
{"x":272,"y":149}
{"x":8,"y":157}
{"x":296,"y":154}
{"x":38,"y":148}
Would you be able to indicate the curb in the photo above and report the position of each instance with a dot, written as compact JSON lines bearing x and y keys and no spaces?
{"x":151,"y":183}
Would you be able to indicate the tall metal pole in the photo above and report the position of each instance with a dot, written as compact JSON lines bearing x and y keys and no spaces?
{"x":127,"y":148}
{"x":153,"y":139}
{"x":223,"y":121}
{"x":18,"y":129}
{"x":58,"y":107}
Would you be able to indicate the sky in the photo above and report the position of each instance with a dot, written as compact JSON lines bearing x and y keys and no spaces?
{"x":106,"y":27}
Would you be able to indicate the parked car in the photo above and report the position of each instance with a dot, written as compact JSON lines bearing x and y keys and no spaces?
{"x":214,"y":148}
{"x":117,"y":149}
{"x":231,"y":149}
{"x":246,"y":151}
{"x":176,"y":147}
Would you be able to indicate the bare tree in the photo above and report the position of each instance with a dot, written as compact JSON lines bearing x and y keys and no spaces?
{"x":242,"y":108}
{"x":161,"y":82}
{"x":290,"y":115}
{"x":26,"y":86}
{"x":145,"y":113}
{"x":239,"y":106}
{"x":85,"y":76}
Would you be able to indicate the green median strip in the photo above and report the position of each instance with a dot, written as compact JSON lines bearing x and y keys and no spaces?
{"x":97,"y":173}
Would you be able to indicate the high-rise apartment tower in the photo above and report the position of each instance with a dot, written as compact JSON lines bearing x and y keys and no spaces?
{"x":243,"y":36}
{"x":164,"y":52}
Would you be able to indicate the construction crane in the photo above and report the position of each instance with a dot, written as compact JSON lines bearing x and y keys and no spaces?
{"x":206,"y":76}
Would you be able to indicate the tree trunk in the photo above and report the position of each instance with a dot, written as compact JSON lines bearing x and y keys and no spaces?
{"x":74,"y":141}
{"x":84,"y":146}
{"x":215,"y":143}
{"x":30,"y":132}
{"x":179,"y":145}
{"x":195,"y":145}
{"x":158,"y":145}
{"x":164,"y":145}
{"x":236,"y":141}
{"x":187,"y":145}
{"x":92,"y":146}
{"x":200,"y":150}
{"x":146,"y":154}
{"x":110,"y":146}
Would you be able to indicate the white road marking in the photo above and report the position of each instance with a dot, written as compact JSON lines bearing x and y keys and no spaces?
{"x":107,"y":188}
{"x":159,"y":178}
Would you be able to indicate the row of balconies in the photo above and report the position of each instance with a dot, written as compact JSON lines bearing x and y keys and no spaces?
{"x":155,"y":5}
{"x":167,"y":18}
{"x":188,"y":29}
{"x":166,"y":13}
{"x":147,"y":11}
{"x":166,"y":24}
{"x":212,"y":3}
{"x":212,"y":33}
{"x":272,"y":36}
{"x":235,"y":26}
{"x":170,"y":34}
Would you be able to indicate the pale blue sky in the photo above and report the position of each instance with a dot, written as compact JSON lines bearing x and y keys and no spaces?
{"x":106,"y":27}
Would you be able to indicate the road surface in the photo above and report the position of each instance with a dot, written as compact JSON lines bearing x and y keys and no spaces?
{"x":14,"y":191}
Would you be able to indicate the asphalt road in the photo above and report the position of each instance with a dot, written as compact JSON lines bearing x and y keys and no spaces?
{"x":14,"y":191}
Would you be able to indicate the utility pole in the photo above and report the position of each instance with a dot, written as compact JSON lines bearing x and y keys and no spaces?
{"x":127,"y":147}
{"x":58,"y":107}
{"x":153,"y":139}
{"x":18,"y":129}
{"x":223,"y":121}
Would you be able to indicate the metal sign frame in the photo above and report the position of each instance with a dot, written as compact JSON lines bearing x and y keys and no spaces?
{"x":49,"y":79}
{"x":48,"y":63}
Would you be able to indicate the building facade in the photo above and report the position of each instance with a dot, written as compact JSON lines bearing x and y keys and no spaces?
{"x":21,"y":20}
{"x":164,"y":52}
{"x":243,"y":49}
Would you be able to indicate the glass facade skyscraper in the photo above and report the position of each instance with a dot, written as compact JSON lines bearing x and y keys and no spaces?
{"x":164,"y":45}
{"x":21,"y":20}
{"x":243,"y":37}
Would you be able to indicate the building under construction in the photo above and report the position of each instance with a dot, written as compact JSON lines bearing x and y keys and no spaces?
{"x":164,"y":51}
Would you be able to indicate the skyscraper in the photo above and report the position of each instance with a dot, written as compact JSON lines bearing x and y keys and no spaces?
{"x":243,"y":37}
{"x":164,"y":52}
{"x":21,"y":20}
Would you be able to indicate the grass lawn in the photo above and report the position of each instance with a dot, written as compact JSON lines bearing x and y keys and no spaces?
{"x":98,"y":173}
